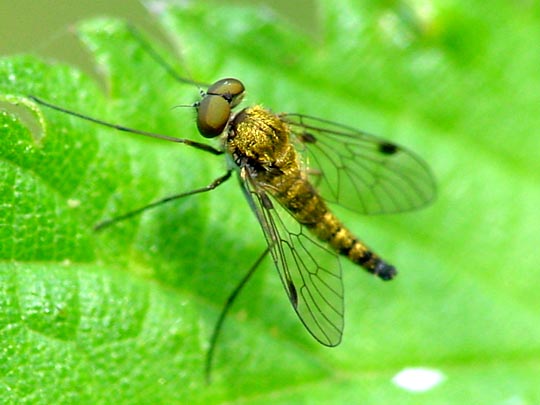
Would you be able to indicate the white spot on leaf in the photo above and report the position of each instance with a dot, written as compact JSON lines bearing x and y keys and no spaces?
{"x":418,"y":379}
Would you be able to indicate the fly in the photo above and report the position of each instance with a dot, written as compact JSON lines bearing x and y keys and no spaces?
{"x":292,"y":168}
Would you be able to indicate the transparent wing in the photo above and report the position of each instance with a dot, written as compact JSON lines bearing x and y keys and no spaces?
{"x":359,"y":171}
{"x":309,"y":271}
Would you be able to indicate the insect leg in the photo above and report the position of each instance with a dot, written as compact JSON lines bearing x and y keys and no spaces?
{"x":159,"y":60}
{"x":228,"y":304}
{"x":189,"y":142}
{"x":216,"y":183}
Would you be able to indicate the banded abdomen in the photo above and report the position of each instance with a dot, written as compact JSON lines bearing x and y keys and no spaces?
{"x":304,"y":203}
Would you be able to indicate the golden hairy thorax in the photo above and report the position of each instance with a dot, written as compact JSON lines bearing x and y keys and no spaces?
{"x":259,"y":141}
{"x":261,"y":138}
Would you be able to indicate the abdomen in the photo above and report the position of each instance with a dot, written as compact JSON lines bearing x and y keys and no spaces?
{"x":308,"y":208}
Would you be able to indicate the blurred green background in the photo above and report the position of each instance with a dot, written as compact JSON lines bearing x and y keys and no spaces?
{"x":41,"y":27}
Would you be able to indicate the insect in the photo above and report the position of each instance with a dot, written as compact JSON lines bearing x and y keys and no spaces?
{"x":292,"y":168}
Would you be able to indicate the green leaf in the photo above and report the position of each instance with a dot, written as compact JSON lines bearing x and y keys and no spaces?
{"x":126,"y":313}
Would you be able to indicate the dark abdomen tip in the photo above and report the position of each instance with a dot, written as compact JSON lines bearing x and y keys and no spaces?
{"x":384,"y":270}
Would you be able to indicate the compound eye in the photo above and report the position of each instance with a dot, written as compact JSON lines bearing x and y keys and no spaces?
{"x":230,"y":89}
{"x":213,"y":114}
